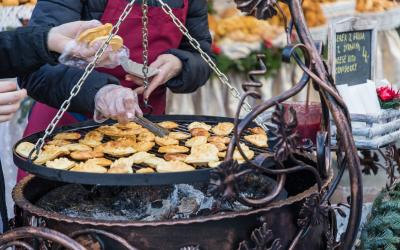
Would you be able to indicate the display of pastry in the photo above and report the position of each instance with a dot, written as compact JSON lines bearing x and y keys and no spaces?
{"x":99,"y":34}
{"x":144,"y":146}
{"x":153,"y":161}
{"x":169,"y":125}
{"x":145,"y":171}
{"x":67,"y":136}
{"x":173,"y":149}
{"x":202,"y":154}
{"x":220,"y":146}
{"x":92,"y":139}
{"x":219,"y":139}
{"x":223,"y":128}
{"x":257,"y":131}
{"x":179,"y":135}
{"x":202,"y":125}
{"x":61,"y":163}
{"x":58,"y":143}
{"x":89,"y":168}
{"x":175,"y":157}
{"x":375,"y":5}
{"x":86,"y":155}
{"x":129,"y":148}
{"x":120,"y":148}
{"x":140,"y":157}
{"x":122,"y":166}
{"x":173,"y":166}
{"x":100,"y":161}
{"x":196,"y":141}
{"x":50,"y":153}
{"x":200,"y":132}
{"x":24,"y":149}
{"x":258,"y":140}
{"x":146,"y":136}
{"x":166,"y":141}
{"x":313,"y":14}
{"x":77,"y":147}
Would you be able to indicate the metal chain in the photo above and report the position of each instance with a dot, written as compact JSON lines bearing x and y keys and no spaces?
{"x":221,"y":76}
{"x":75,"y":90}
{"x":145,"y":44}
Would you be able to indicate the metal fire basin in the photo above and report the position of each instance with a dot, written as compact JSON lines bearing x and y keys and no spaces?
{"x":220,"y":232}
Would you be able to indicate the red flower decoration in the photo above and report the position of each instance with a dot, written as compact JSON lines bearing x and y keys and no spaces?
{"x":268,"y":44}
{"x":215,"y":49}
{"x":387,"y":94}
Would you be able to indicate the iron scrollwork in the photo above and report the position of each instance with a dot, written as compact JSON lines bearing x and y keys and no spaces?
{"x":262,"y":239}
{"x":262,"y":9}
{"x":316,"y":209}
{"x":284,"y":135}
{"x":313,"y":212}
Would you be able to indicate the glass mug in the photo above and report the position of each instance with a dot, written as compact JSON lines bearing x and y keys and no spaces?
{"x":308,"y":119}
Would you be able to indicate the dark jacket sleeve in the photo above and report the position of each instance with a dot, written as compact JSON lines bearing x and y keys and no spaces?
{"x":52,"y":84}
{"x":195,"y":71}
{"x":24,"y":50}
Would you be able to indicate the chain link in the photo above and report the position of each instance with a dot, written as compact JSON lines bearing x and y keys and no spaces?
{"x":145,"y":43}
{"x":75,"y":90}
{"x":90,"y":67}
{"x":221,"y":76}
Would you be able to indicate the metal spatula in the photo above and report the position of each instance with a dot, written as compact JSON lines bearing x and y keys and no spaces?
{"x":136,"y":69}
{"x":153,"y":127}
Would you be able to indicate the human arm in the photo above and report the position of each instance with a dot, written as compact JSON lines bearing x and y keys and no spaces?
{"x":24,"y":50}
{"x":52,"y":84}
{"x":195,"y":71}
{"x":183,"y":70}
{"x":10,"y":99}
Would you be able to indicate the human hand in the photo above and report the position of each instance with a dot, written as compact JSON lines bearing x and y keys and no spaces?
{"x":62,"y":39}
{"x":60,"y":36}
{"x":118,"y":103}
{"x":10,"y":99}
{"x":168,"y":65}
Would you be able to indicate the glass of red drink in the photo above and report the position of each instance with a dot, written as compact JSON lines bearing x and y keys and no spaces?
{"x":308,"y":118}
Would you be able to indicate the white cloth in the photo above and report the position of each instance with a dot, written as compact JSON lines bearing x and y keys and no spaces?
{"x":10,"y":133}
{"x":214,"y":98}
{"x":388,"y":58}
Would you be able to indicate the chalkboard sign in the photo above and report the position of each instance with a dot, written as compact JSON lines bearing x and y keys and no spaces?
{"x":352,"y":51}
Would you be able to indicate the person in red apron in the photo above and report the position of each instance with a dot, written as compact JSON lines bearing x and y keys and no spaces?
{"x":164,"y":37}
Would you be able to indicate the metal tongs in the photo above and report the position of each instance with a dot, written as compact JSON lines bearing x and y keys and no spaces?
{"x":153,"y":127}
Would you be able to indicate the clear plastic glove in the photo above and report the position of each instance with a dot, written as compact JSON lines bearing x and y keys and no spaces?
{"x":10,"y":99}
{"x":62,"y":39}
{"x":116,"y":102}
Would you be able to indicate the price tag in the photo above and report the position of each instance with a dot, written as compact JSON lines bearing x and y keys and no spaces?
{"x":352,"y":51}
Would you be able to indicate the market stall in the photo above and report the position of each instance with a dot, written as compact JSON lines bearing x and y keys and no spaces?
{"x":279,"y":76}
{"x":267,"y":179}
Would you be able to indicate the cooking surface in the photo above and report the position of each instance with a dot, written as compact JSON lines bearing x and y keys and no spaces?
{"x":199,"y":175}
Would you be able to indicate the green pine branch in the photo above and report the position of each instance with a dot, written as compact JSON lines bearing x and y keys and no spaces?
{"x":382,"y":230}
{"x":272,"y":61}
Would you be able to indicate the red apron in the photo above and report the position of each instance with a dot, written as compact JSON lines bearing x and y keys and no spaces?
{"x":163,"y":35}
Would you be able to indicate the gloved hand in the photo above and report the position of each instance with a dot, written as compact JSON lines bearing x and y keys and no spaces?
{"x":62,"y":39}
{"x":169,"y":66}
{"x":60,"y":36}
{"x":116,"y":102}
{"x":10,"y":99}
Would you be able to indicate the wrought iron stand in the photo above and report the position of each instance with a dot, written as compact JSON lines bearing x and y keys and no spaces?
{"x":316,"y":210}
